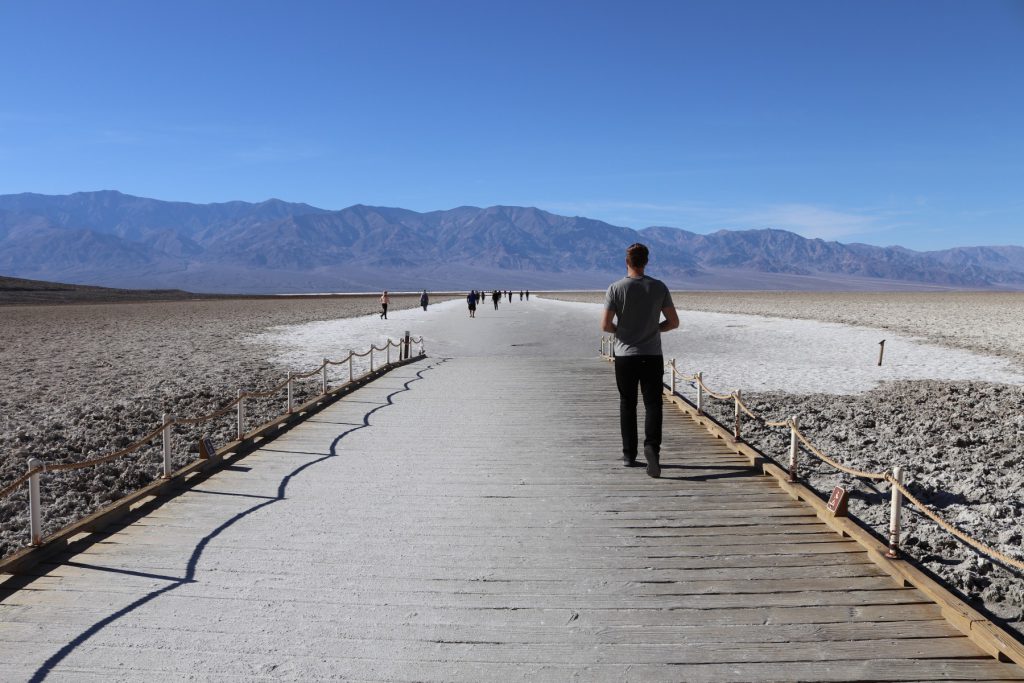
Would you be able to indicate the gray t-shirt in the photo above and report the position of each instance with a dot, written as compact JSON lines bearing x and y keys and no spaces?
{"x":637,"y":303}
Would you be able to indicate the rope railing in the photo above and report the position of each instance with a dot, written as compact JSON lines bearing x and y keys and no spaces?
{"x":36,"y":467}
{"x":894,"y":479}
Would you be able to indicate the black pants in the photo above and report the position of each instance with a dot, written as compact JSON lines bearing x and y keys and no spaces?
{"x":647,"y":372}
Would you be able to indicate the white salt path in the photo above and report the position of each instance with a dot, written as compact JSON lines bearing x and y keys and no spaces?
{"x":752,"y":353}
{"x":466,"y":518}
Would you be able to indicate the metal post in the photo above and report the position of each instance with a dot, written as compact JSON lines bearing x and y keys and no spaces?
{"x":350,"y":377}
{"x":168,"y":436}
{"x":793,"y":448}
{"x":35,"y":504}
{"x":241,"y":414}
{"x":736,"y":415}
{"x":325,"y":378}
{"x":881,"y":352}
{"x":290,"y":403}
{"x":700,"y":393}
{"x":673,"y":370}
{"x":894,"y":515}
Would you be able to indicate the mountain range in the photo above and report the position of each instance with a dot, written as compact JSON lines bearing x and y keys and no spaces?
{"x":116,"y":240}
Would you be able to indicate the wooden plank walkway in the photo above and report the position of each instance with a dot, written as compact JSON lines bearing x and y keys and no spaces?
{"x":469,"y":519}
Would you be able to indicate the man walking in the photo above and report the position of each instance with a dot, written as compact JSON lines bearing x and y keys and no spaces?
{"x":424,"y":299}
{"x":633,"y":307}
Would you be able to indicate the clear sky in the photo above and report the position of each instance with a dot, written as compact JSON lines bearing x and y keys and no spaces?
{"x":886,"y":122}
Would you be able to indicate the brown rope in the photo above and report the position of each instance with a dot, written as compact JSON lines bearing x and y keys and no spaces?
{"x":267,"y":393}
{"x":131,"y":448}
{"x":720,"y":397}
{"x":13,"y":486}
{"x":974,"y":543}
{"x":206,"y":418}
{"x":308,"y":374}
{"x":843,"y":468}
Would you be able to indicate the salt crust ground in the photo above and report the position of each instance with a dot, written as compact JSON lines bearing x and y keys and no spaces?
{"x":78,"y":380}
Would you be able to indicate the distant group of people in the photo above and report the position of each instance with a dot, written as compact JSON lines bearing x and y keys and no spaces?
{"x":474,"y":297}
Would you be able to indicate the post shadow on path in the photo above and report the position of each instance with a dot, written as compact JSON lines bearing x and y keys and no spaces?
{"x":191,"y":567}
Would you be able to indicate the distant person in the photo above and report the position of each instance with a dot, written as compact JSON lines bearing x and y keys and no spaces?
{"x":520,"y":295}
{"x":424,"y":299}
{"x":527,"y":295}
{"x":384,"y":301}
{"x":495,"y":297}
{"x":636,"y":303}
{"x":471,"y":300}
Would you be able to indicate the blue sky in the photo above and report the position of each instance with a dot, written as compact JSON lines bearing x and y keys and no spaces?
{"x":889,"y":122}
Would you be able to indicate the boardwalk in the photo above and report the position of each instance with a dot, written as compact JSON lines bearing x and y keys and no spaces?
{"x":468,"y":519}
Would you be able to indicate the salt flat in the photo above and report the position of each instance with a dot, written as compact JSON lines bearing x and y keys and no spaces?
{"x":749,"y":352}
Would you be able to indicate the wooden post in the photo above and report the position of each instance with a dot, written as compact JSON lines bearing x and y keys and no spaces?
{"x":408,"y":345}
{"x":794,"y":448}
{"x":894,"y":515}
{"x":167,"y":435}
{"x":35,"y":504}
{"x":388,"y":352}
{"x":241,"y":414}
{"x":700,"y":393}
{"x":350,"y":377}
{"x":736,"y":415}
{"x":324,"y":389}
{"x":881,"y":352}
{"x":290,"y":403}
{"x":371,"y":357}
{"x":673,"y":370}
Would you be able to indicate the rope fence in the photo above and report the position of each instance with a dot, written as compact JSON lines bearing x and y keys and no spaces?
{"x":37,"y":467}
{"x":898,"y":489}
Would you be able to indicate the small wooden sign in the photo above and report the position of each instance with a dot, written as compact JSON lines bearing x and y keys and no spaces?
{"x":206,"y":449}
{"x":837,"y":502}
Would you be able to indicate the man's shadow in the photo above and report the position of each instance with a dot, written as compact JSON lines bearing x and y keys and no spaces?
{"x":193,"y":562}
{"x":726,"y":472}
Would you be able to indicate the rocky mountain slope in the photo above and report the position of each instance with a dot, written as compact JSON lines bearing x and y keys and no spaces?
{"x":113,"y":239}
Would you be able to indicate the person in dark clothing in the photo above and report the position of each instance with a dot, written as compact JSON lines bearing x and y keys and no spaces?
{"x":633,"y":307}
{"x":471,"y":300}
{"x":424,"y":299}
{"x":527,"y":295}
{"x":520,"y":295}
{"x":495,"y":297}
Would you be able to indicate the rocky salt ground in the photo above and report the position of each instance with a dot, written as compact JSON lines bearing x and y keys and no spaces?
{"x":81,"y":381}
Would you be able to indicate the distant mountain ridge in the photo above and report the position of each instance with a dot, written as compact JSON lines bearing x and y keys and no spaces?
{"x":117,"y":240}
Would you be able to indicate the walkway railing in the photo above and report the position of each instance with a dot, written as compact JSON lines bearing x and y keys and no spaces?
{"x":36,"y":467}
{"x":895,"y":479}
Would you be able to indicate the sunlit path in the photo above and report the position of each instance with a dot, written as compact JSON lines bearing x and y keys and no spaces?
{"x":467,"y":518}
